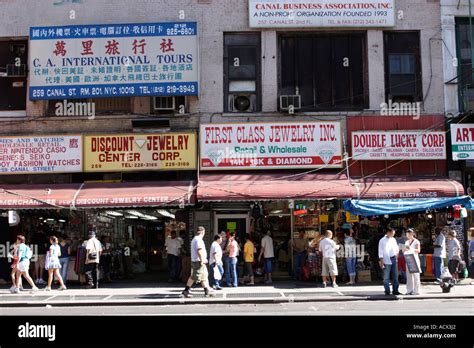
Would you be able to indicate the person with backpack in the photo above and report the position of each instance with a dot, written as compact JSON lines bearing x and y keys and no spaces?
{"x":53,"y":265}
{"x":93,"y":252}
{"x":24,"y":256}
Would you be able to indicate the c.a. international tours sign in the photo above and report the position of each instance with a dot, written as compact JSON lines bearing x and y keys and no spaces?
{"x":278,"y":145}
{"x":140,"y":152}
{"x":462,"y":139}
{"x":113,"y":60}
{"x":321,"y":13}
{"x":41,"y":154}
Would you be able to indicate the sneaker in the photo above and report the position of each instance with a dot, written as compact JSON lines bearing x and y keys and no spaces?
{"x":41,"y":282}
{"x":324,"y":285}
{"x":251,"y":283}
{"x":16,"y":291}
{"x":334,"y":285}
{"x":185,"y":294}
{"x":409,"y":293}
{"x":268,"y":282}
{"x":12,"y":288}
{"x":62,"y":288}
{"x":47,"y":288}
{"x":387,"y":293}
{"x":21,"y":288}
{"x":37,"y":281}
{"x":396,"y":293}
{"x":209,"y":294}
{"x":218,"y":288}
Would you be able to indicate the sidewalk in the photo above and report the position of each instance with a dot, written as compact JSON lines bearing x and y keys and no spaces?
{"x":123,"y":294}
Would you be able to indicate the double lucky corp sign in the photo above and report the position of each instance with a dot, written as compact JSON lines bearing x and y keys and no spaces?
{"x":279,"y":145}
{"x":116,"y":60}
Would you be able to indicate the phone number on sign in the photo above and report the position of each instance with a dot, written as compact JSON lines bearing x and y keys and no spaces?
{"x":181,"y":89}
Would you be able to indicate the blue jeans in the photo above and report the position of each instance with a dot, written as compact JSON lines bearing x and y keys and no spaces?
{"x":351,"y":266}
{"x":391,"y":270}
{"x":215,"y":282}
{"x":64,"y":262}
{"x":173,"y":266}
{"x":268,"y":265}
{"x":438,"y":266}
{"x":299,"y":258}
{"x":232,"y":266}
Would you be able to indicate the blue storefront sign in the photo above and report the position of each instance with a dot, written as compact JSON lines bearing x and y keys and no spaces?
{"x":115,"y":60}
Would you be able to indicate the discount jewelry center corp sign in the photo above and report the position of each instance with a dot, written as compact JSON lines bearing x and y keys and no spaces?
{"x":321,"y":13}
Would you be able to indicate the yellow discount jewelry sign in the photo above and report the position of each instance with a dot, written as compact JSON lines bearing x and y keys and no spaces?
{"x":140,"y":152}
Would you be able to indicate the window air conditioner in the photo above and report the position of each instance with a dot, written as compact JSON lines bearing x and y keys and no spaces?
{"x":242,"y":102}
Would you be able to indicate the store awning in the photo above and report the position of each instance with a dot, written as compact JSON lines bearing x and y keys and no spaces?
{"x":97,"y":195}
{"x":402,"y":206}
{"x":37,"y":196}
{"x":274,"y":186}
{"x":136,"y":194}
{"x":406,"y":187}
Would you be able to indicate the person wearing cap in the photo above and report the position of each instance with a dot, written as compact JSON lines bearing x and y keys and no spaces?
{"x":199,"y":261}
{"x":93,"y":252}
{"x":453,"y":247}
{"x":414,"y":247}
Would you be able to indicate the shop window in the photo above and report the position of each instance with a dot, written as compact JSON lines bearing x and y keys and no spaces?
{"x":170,"y":105}
{"x":402,"y":67}
{"x":13,"y":73}
{"x":242,"y":72}
{"x":102,"y":106}
{"x":324,"y":71}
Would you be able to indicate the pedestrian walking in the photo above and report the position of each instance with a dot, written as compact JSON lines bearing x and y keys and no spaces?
{"x":350,"y":252}
{"x":173,"y":245}
{"x":453,"y":247}
{"x":414,"y":248}
{"x":93,"y":252}
{"x":388,"y":260}
{"x":215,"y":262}
{"x":52,"y":264}
{"x":328,"y":249}
{"x":300,"y":249}
{"x":24,"y":256}
{"x":233,"y":253}
{"x":268,"y":254}
{"x":14,"y":256}
{"x":64,"y":258}
{"x":199,"y":261}
{"x":249,"y":250}
{"x":439,"y":253}
{"x":40,"y":240}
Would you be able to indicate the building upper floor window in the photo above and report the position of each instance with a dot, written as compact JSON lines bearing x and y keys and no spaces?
{"x":242,"y":72}
{"x":465,"y":68}
{"x":13,"y":71}
{"x":325,"y":71}
{"x":402,"y":67}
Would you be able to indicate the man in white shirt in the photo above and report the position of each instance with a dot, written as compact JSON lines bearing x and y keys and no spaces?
{"x":93,"y":252}
{"x":439,"y":253}
{"x":268,"y":255}
{"x":388,"y":260}
{"x":328,"y":249}
{"x":173,"y":246}
{"x":199,"y":261}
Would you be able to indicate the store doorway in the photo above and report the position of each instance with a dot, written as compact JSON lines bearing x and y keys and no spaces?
{"x":237,"y":223}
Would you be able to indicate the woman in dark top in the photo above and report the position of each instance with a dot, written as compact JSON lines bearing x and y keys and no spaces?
{"x":64,"y":258}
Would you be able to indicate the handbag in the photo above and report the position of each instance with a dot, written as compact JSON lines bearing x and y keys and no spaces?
{"x":217,"y":273}
{"x":92,"y":256}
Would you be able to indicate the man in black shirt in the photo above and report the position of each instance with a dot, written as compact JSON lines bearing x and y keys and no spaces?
{"x":40,"y":241}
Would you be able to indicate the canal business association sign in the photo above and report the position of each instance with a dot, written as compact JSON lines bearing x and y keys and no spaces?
{"x":115,"y":60}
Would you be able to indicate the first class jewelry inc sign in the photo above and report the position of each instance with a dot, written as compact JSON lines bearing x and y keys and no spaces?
{"x":321,"y":13}
{"x":271,"y":145}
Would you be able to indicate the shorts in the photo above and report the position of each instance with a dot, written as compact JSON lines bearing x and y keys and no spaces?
{"x":453,"y":266}
{"x":199,"y":272}
{"x":268,"y":264}
{"x":248,"y":269}
{"x":23,"y":266}
{"x":41,"y":260}
{"x":329,"y":267}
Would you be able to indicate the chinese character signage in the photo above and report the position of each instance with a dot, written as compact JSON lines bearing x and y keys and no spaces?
{"x":279,"y":145}
{"x":398,"y":145}
{"x":138,"y":152}
{"x":41,"y":154}
{"x":100,"y":61}
{"x":321,"y":13}
{"x":462,"y":139}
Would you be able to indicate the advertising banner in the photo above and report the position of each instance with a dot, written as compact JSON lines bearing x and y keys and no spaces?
{"x":398,"y":145}
{"x":321,"y":13}
{"x":281,"y":145}
{"x":41,"y":154}
{"x":462,"y":139}
{"x":140,"y":152}
{"x":113,"y":60}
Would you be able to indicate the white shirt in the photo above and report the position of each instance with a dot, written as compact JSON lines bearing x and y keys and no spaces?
{"x":217,"y":250}
{"x":328,"y":247}
{"x":440,"y":252}
{"x":196,"y":244}
{"x":172,"y":246}
{"x":267,"y":245}
{"x":388,"y":248}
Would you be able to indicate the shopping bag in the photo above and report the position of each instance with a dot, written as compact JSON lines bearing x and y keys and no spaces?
{"x":217,"y":273}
